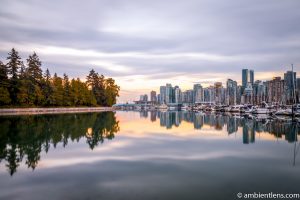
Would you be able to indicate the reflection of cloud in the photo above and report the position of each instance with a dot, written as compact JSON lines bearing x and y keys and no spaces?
{"x":85,"y":159}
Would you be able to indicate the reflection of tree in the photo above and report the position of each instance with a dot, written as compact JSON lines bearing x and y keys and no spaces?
{"x":103,"y":128}
{"x":29,"y":136}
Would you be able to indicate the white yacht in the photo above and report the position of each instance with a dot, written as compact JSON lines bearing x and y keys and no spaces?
{"x":237,"y":109}
{"x":264,"y":109}
{"x":163,"y":107}
{"x":287,"y":111}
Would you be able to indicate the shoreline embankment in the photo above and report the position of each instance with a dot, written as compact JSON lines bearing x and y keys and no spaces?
{"x":59,"y":110}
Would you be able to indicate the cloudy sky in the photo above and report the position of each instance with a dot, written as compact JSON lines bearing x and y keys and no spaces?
{"x":144,"y":44}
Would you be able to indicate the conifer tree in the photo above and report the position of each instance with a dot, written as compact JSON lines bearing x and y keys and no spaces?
{"x":47,"y":88}
{"x":96,"y":83}
{"x":67,"y":91}
{"x":58,"y":90}
{"x":35,"y":68}
{"x":13,"y":66}
{"x":4,"y":85}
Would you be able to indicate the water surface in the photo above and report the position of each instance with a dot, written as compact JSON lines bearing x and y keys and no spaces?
{"x":146,"y":155}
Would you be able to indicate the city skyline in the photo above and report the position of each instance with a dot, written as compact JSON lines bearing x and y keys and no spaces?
{"x":144,"y":44}
{"x":278,"y":90}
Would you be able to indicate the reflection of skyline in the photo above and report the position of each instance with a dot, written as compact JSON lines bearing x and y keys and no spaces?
{"x":231,"y":124}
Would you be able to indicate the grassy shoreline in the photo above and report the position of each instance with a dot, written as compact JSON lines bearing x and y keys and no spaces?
{"x":53,"y":110}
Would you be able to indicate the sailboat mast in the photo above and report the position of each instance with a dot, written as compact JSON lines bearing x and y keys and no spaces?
{"x":293,"y":91}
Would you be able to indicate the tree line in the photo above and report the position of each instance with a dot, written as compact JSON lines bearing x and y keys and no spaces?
{"x":27,"y":85}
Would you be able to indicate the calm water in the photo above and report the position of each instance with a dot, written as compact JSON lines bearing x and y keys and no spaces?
{"x":146,"y":155}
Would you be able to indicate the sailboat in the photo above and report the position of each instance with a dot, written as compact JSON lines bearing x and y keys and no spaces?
{"x":264,"y":109}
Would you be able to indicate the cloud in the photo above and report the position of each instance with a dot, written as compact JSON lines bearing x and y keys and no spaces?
{"x":155,"y":41}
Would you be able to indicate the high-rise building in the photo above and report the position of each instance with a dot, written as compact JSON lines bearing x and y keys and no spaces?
{"x":251,"y":76}
{"x":247,"y":97}
{"x":144,"y":97}
{"x":158,"y":99}
{"x":275,"y":91}
{"x":289,"y":84}
{"x":162,"y":91}
{"x":169,"y":93}
{"x":177,"y":95}
{"x":259,"y":92}
{"x":184,"y":97}
{"x":153,"y":96}
{"x":247,"y":77}
{"x":298,"y":90}
{"x":198,"y":93}
{"x":188,"y":96}
{"x":239,"y":94}
{"x":231,"y":92}
{"x":218,"y":93}
{"x":209,"y":94}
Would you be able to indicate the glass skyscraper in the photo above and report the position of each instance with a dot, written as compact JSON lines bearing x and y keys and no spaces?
{"x":247,"y":77}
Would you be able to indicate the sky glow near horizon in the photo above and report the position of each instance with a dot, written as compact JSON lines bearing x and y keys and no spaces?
{"x":144,"y":44}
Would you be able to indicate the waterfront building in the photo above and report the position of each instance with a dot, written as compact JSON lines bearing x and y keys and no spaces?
{"x":247,"y":77}
{"x":144,"y":98}
{"x":162,"y":94}
{"x":223,"y":96}
{"x":184,"y":97}
{"x":275,"y":91}
{"x":209,"y":94}
{"x":231,"y":92}
{"x":298,"y":90}
{"x":289,"y":83}
{"x":153,"y":96}
{"x":198,"y":93}
{"x":247,"y":97}
{"x":218,"y":92}
{"x":177,"y":95}
{"x":251,"y":72}
{"x":259,"y":92}
{"x":187,"y":96}
{"x":158,"y":99}
{"x":169,"y":93}
{"x":239,"y":94}
{"x":190,"y":96}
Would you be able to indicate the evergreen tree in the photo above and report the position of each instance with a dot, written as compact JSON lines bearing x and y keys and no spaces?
{"x":58,"y":90}
{"x":67,"y":91}
{"x":26,"y":92}
{"x":4,"y":96}
{"x":30,"y":80}
{"x":96,"y":83}
{"x":47,"y":89}
{"x":13,"y":66}
{"x":3,"y":75}
{"x":22,"y":74}
{"x":4,"y":86}
{"x":35,"y":68}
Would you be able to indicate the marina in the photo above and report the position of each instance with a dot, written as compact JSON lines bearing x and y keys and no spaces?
{"x":246,"y":109}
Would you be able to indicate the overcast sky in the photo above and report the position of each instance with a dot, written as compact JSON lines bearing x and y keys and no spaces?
{"x":144,"y":44}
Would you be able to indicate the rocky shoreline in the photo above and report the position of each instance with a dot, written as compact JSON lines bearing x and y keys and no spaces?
{"x":34,"y":111}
